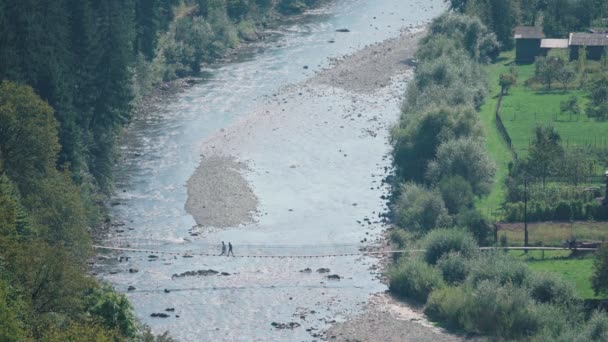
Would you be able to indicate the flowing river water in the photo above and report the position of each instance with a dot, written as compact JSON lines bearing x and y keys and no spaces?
{"x":315,"y":168}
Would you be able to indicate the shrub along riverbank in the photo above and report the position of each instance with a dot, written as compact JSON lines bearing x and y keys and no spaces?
{"x":442,"y":168}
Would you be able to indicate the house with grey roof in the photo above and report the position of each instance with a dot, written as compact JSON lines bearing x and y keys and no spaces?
{"x":596,"y":44}
{"x":527,"y":43}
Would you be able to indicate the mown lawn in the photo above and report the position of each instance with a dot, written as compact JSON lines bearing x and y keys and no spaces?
{"x":496,"y":146}
{"x":577,"y":270}
{"x":524,"y":109}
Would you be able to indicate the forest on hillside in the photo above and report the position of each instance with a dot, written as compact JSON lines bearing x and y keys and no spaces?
{"x":71,"y":73}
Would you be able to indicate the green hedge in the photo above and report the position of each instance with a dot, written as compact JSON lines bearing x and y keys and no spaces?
{"x":560,"y":211}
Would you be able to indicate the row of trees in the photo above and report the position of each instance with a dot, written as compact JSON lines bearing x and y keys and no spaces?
{"x":439,"y":152}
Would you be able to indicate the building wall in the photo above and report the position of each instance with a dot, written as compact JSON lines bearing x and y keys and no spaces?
{"x":526,"y":50}
{"x":594,"y":53}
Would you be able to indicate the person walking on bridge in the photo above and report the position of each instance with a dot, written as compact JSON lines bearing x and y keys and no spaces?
{"x":230,"y":249}
{"x":223,"y":249}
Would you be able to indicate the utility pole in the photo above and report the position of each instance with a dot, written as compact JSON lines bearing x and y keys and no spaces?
{"x":606,"y":196}
{"x":526,"y":214}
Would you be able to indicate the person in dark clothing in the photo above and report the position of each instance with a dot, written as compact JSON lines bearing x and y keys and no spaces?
{"x":230,"y":249}
{"x":223,"y":248}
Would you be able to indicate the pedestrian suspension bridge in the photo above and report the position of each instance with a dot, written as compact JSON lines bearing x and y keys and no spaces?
{"x":255,"y":251}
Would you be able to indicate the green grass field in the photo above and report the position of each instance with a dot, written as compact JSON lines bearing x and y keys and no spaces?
{"x":554,"y":234}
{"x":522,"y":110}
{"x":495,"y":144}
{"x":576,"y":270}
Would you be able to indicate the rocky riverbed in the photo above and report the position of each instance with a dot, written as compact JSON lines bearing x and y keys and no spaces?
{"x":224,"y":196}
{"x":284,"y":152}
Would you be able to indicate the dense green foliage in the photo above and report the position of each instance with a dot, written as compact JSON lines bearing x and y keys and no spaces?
{"x":599,"y":281}
{"x":488,"y":293}
{"x":414,"y":279}
{"x":420,"y":209}
{"x":438,"y":141}
{"x":44,"y":242}
{"x":440,"y":242}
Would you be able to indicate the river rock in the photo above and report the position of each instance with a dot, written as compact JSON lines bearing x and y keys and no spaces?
{"x":159,"y":314}
{"x":290,"y":325}
{"x":196,"y":273}
{"x":323,"y":270}
{"x":343,"y":30}
{"x":131,"y":288}
{"x":306,"y":270}
{"x":170,"y":309}
{"x":333,"y":277}
{"x":133,"y":270}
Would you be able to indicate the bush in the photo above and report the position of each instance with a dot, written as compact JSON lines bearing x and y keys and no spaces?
{"x":594,"y":330}
{"x":551,"y":289}
{"x":440,"y":242}
{"x":503,"y":311}
{"x":563,"y":212}
{"x":597,"y":328}
{"x":419,"y":135}
{"x":467,"y":158}
{"x":454,"y":268}
{"x":113,"y":309}
{"x":420,"y":209}
{"x":476,"y":223}
{"x":414,"y":279}
{"x":599,"y":279}
{"x":400,"y":237}
{"x":466,"y":32}
{"x":457,"y":193}
{"x":448,"y":306}
{"x":498,"y":267}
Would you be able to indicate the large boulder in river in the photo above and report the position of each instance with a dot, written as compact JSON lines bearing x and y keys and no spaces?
{"x":159,"y":314}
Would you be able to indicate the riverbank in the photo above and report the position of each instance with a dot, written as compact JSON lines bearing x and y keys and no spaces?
{"x":386,"y":319}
